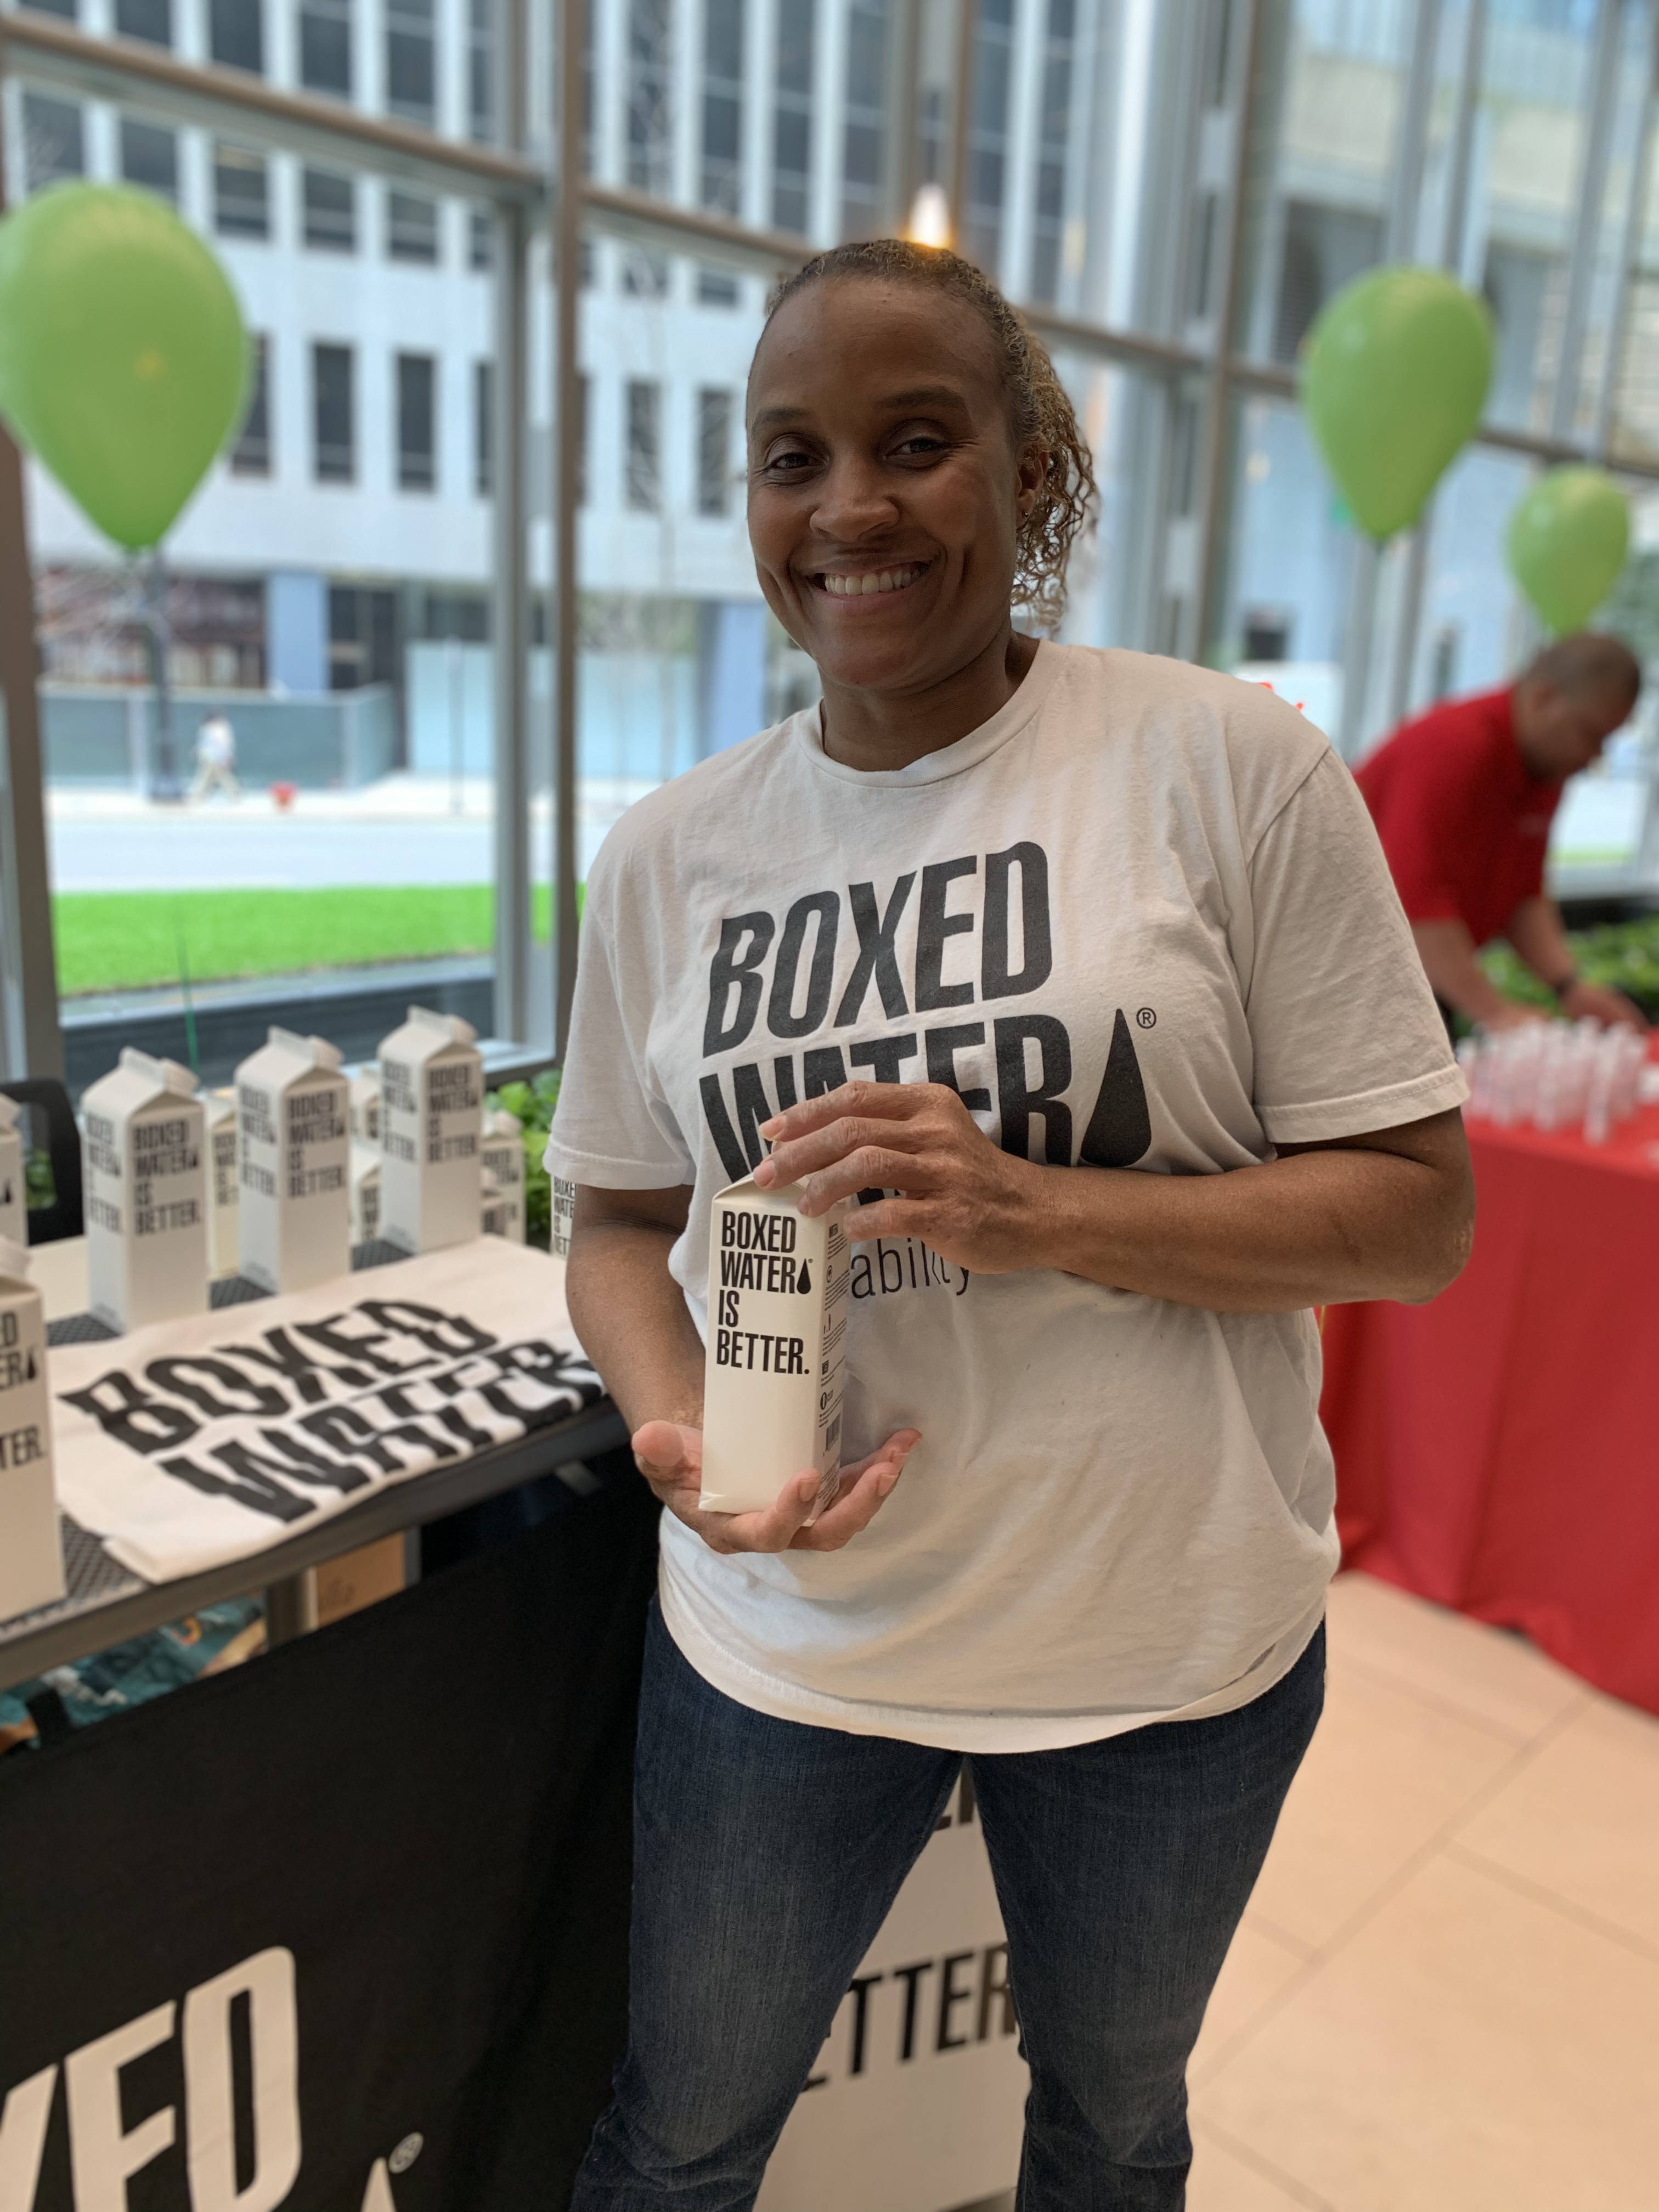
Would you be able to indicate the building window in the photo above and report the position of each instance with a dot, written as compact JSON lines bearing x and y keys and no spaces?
{"x":483,"y":428}
{"x":988,"y":131}
{"x":54,"y":142}
{"x":325,"y":47}
{"x":644,"y":273}
{"x":411,"y":60}
{"x":716,"y":290}
{"x":650,"y":95}
{"x":333,"y":414}
{"x":644,"y":470}
{"x":1054,"y":131}
{"x":481,"y":70}
{"x":480,"y":239}
{"x":241,"y":192}
{"x":792,"y":127}
{"x":411,"y":227}
{"x":722,"y":106}
{"x":417,"y":459}
{"x":149,"y":157}
{"x":250,"y":455}
{"x":149,"y":19}
{"x":865,"y":143}
{"x":236,"y":34}
{"x":331,"y":211}
{"x":713,"y":452}
{"x":64,"y":8}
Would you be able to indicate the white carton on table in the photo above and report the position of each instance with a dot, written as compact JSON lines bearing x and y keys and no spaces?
{"x":431,"y":1131}
{"x":366,"y":1106}
{"x":13,"y":1191}
{"x":224,"y":1254}
{"x":295,"y":1202}
{"x":30,"y":1555}
{"x":146,"y":1198}
{"x":503,"y":1176}
{"x":365,"y":1193}
{"x":775,"y":1358}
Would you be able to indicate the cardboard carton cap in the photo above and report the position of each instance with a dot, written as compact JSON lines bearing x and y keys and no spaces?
{"x":165,"y":1074}
{"x":501,"y":1123}
{"x":447,"y":1025}
{"x":10,"y":1111}
{"x":13,"y":1259}
{"x":318,"y":1050}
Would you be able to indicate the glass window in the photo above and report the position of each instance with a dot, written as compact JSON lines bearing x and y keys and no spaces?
{"x":411,"y":60}
{"x":241,"y":192}
{"x":411,"y":227}
{"x":54,"y":143}
{"x":650,"y":95}
{"x":417,"y":458}
{"x":64,"y":8}
{"x":236,"y":33}
{"x":325,"y":47}
{"x":250,"y":455}
{"x":791,"y":128}
{"x":483,"y":428}
{"x":149,"y":19}
{"x":331,"y":211}
{"x":481,"y":70}
{"x":987,"y":133}
{"x":643,"y":473}
{"x":334,"y":414}
{"x":480,"y":239}
{"x":149,"y":157}
{"x":722,"y":106}
{"x":714,"y":451}
{"x":716,"y":290}
{"x":1053,"y":142}
{"x":863,"y":143}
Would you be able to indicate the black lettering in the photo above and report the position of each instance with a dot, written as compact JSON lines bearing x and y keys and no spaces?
{"x":876,"y":955}
{"x":882,"y":1255}
{"x":333,"y":1336}
{"x":344,"y":1430}
{"x":297,"y":1463}
{"x":882,"y":1057}
{"x":1016,"y":1102}
{"x":738,"y":1154}
{"x":950,"y":1997}
{"x":822,"y":1069}
{"x":997,"y":980}
{"x":438,"y":1332}
{"x":943,"y":1046}
{"x":859,"y":1988}
{"x":862,"y":1282}
{"x":911,"y":1976}
{"x":783,"y":1081}
{"x":1120,"y":1127}
{"x":754,"y":1107}
{"x":725,"y":969}
{"x":256,"y":1491}
{"x":780,"y":1018}
{"x":131,"y":1416}
{"x":992,"y":1984}
{"x":933,"y":926}
{"x":180,"y":1376}
{"x":297,"y":1368}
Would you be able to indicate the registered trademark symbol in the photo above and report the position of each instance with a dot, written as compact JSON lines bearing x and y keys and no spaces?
{"x":406,"y":2154}
{"x":1147,"y":1018}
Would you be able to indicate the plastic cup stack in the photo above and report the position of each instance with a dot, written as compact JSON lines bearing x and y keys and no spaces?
{"x":1555,"y":1075}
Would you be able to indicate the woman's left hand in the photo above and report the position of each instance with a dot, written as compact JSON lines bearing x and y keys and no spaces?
{"x":975,"y":1205}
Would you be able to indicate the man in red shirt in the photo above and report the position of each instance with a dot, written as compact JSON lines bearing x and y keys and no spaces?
{"x":1463,"y":798}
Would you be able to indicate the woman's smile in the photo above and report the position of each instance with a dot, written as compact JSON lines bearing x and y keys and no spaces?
{"x":867,"y":584}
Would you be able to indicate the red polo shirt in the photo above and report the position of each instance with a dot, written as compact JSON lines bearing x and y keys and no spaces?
{"x":1465,"y":827}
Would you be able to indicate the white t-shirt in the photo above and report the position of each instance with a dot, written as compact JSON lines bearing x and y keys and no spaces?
{"x":1139,"y":918}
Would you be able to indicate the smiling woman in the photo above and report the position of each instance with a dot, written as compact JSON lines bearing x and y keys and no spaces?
{"x":1076,"y":979}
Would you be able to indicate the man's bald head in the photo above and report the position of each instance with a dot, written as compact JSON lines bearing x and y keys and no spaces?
{"x":1570,"y":702}
{"x":1586,"y":662}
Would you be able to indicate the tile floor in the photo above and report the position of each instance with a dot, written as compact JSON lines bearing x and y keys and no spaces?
{"x":1445,"y":1995}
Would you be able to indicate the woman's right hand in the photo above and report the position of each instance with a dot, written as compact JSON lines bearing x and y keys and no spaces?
{"x":670,"y":1457}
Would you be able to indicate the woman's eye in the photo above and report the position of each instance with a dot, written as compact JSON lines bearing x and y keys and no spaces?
{"x":922,"y":442}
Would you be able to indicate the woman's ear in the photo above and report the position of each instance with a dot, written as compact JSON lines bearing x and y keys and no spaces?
{"x":1033,"y":469}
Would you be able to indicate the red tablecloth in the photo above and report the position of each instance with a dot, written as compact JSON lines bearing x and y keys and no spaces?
{"x":1499,"y":1450}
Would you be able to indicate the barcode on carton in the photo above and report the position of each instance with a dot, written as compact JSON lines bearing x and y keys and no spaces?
{"x":832,"y":1434}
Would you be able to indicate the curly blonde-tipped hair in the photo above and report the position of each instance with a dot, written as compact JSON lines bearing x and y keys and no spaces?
{"x":1040,"y":412}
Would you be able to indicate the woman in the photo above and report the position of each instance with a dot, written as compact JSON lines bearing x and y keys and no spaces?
{"x":1081,"y":972}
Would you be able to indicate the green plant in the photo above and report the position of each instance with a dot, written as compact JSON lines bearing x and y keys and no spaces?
{"x":1624,"y":954}
{"x":533,"y":1104}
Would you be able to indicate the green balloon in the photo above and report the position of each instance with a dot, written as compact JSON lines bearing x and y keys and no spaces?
{"x":1394,"y":378}
{"x":1567,"y":543}
{"x":124,"y":364}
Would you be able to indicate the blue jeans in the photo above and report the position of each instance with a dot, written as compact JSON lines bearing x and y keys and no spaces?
{"x":767,"y":1853}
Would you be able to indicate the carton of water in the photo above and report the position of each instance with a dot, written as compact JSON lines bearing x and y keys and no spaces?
{"x":30,"y":1555}
{"x":144,"y":1153}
